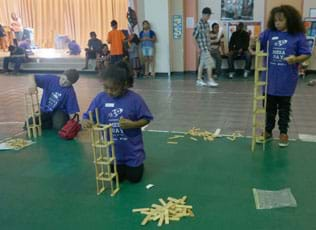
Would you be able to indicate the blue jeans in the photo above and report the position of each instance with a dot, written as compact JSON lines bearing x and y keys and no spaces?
{"x":235,"y":55}
{"x":116,"y":58}
{"x":16,"y":60}
{"x":53,"y":120}
{"x":216,"y":55}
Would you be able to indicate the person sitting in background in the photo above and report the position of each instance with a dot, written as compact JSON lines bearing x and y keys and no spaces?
{"x":217,"y":48}
{"x":238,"y":48}
{"x":3,"y":42}
{"x":94,"y":46}
{"x":17,"y":57}
{"x":26,"y":45}
{"x":103,"y":57}
{"x":74,"y":48}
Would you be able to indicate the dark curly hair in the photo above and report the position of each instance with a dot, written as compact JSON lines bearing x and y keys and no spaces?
{"x":293,"y":19}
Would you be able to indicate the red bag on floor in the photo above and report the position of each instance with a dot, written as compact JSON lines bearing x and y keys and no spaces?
{"x":70,"y":129}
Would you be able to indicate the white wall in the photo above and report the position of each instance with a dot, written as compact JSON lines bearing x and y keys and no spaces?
{"x":157,"y":13}
{"x":307,"y":5}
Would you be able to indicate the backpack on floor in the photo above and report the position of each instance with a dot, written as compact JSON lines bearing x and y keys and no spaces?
{"x":70,"y":129}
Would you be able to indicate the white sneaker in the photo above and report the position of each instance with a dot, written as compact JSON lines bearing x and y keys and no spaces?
{"x":212,"y":83}
{"x":200,"y":83}
{"x":246,"y":73}
{"x":231,"y":75}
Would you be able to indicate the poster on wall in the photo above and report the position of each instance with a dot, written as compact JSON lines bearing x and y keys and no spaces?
{"x":310,"y":26}
{"x":253,"y":28}
{"x":237,"y":9}
{"x":177,"y":26}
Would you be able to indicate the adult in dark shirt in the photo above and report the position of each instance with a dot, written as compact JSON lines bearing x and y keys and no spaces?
{"x":238,"y":48}
{"x":94,"y":46}
{"x":17,"y":57}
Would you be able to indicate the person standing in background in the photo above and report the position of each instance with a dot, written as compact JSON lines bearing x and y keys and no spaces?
{"x":148,"y":38}
{"x":16,"y":26}
{"x":201,"y":35}
{"x":116,"y":39}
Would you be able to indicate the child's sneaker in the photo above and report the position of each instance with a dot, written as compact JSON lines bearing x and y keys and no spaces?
{"x":268,"y":137}
{"x":311,"y":83}
{"x":284,"y":140}
{"x":246,"y":73}
{"x":200,"y":83}
{"x":212,"y":83}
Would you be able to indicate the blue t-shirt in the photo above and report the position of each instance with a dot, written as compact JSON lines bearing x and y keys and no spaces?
{"x":282,"y":77}
{"x":74,"y":48}
{"x":56,"y":97}
{"x":147,"y":34}
{"x":95,"y":44}
{"x":129,"y":147}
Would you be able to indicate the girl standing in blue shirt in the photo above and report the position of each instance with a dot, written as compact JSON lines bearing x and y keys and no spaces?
{"x":127,"y":112}
{"x":287,"y":48}
{"x":148,"y":39}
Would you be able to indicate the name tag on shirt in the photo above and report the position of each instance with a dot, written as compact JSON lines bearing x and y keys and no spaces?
{"x":111,"y":105}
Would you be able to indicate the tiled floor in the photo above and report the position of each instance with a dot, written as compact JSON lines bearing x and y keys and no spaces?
{"x":176,"y":103}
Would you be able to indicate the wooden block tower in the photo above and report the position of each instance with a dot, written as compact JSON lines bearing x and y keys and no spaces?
{"x":104,"y":156}
{"x":33,"y":115}
{"x":259,"y":97}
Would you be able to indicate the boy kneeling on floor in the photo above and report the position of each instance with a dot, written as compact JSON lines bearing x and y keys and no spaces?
{"x":59,"y":101}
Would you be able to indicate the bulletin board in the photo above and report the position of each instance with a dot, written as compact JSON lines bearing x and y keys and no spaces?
{"x":177,"y":26}
{"x":237,"y":10}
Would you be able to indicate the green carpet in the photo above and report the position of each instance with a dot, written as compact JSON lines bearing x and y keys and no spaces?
{"x":51,"y":185}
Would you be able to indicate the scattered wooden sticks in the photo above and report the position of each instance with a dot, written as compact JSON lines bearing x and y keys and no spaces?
{"x":206,"y":135}
{"x":175,"y":137}
{"x":172,"y":210}
{"x":18,"y":143}
{"x":194,"y":133}
{"x":172,"y":142}
{"x":234,"y":136}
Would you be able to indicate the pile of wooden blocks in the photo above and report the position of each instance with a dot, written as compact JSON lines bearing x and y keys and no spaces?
{"x":17,"y":143}
{"x":195,"y":132}
{"x":206,"y":135}
{"x":172,"y":210}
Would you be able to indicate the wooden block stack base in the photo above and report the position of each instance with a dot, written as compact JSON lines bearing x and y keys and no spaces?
{"x":104,"y":156}
{"x":33,"y":114}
